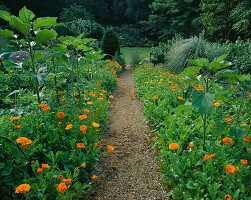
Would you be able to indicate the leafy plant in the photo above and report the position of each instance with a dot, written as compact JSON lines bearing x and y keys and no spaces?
{"x":110,"y":43}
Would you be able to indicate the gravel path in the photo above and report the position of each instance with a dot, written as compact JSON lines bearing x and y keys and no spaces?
{"x":130,"y":172}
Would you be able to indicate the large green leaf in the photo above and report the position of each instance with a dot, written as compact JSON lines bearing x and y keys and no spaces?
{"x":189,"y":71}
{"x":46,"y":22}
{"x":237,"y":132}
{"x":26,"y":15}
{"x":45,"y":35}
{"x":19,"y":25}
{"x":7,"y":33}
{"x":232,"y":77}
{"x":5,"y":15}
{"x":202,"y":102}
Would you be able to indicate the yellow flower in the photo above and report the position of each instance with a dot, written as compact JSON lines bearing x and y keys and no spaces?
{"x":68,"y":127}
{"x":95,"y":124}
{"x":89,"y":103}
{"x":23,"y":188}
{"x":81,"y":117}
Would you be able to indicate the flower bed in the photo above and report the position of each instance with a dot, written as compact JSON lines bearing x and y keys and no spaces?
{"x":201,"y":157}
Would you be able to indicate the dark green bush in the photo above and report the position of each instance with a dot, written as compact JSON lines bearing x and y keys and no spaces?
{"x":110,"y":43}
{"x":75,"y":12}
{"x":135,"y":59}
{"x":159,"y":53}
{"x":120,"y":60}
{"x":91,"y":29}
{"x":239,"y":54}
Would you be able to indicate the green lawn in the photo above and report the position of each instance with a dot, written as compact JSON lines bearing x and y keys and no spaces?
{"x":127,"y":52}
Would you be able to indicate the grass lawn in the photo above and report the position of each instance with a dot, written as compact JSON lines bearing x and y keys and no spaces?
{"x":127,"y":52}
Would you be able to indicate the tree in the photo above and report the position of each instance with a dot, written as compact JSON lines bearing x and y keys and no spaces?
{"x":170,"y":17}
{"x":110,"y":43}
{"x":137,"y":10}
{"x":226,"y":19}
{"x":75,"y":12}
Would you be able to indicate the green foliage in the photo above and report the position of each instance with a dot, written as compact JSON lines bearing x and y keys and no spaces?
{"x":226,"y":19}
{"x":170,"y":17}
{"x":120,"y":60}
{"x":159,"y":53}
{"x":183,"y":50}
{"x":135,"y":59}
{"x":110,"y":43}
{"x":239,"y":54}
{"x":194,"y":121}
{"x":90,"y":28}
{"x":75,"y":12}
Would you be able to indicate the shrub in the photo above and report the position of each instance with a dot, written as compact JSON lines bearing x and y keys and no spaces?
{"x":192,"y":48}
{"x":110,"y":43}
{"x":75,"y":12}
{"x":91,"y":28}
{"x":159,"y":53}
{"x":120,"y":60}
{"x":135,"y":58}
{"x":239,"y":54}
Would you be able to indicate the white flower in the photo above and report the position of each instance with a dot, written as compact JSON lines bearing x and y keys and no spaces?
{"x":15,"y":36}
{"x":32,"y":43}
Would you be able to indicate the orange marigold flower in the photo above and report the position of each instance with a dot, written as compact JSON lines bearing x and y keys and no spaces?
{"x":62,"y":187}
{"x":173,"y":90}
{"x":111,"y":97}
{"x":246,"y":139}
{"x":81,"y":117}
{"x":63,"y":100}
{"x":84,"y":165}
{"x":47,"y":108}
{"x":98,"y":144}
{"x":94,"y":177}
{"x":110,"y":148}
{"x":24,"y":142}
{"x":228,"y":197}
{"x":45,"y":166}
{"x":244,"y":162}
{"x":89,"y":103}
{"x":61,"y":92}
{"x":80,"y":145}
{"x":228,"y":120}
{"x":191,"y":144}
{"x":244,"y":125}
{"x":227,"y":141}
{"x":101,"y":99}
{"x":68,"y":127}
{"x":42,"y":105}
{"x":39,"y":170}
{"x":83,"y":128}
{"x":219,"y":179}
{"x":18,"y":126}
{"x":215,"y":127}
{"x":173,"y":146}
{"x":77,"y":100}
{"x":132,"y":97}
{"x":86,"y":111}
{"x":60,"y":123}
{"x":15,"y":119}
{"x":180,"y":98}
{"x":23,"y":188}
{"x":60,"y":177}
{"x":61,"y":115}
{"x":155,"y":97}
{"x":67,"y":181}
{"x":245,"y":114}
{"x":230,"y":169}
{"x":206,"y":157}
{"x":213,"y":155}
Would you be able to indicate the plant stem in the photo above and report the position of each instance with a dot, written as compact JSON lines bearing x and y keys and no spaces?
{"x":204,"y":130}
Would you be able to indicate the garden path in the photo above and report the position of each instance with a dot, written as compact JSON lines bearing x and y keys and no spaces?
{"x":130,"y":172}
